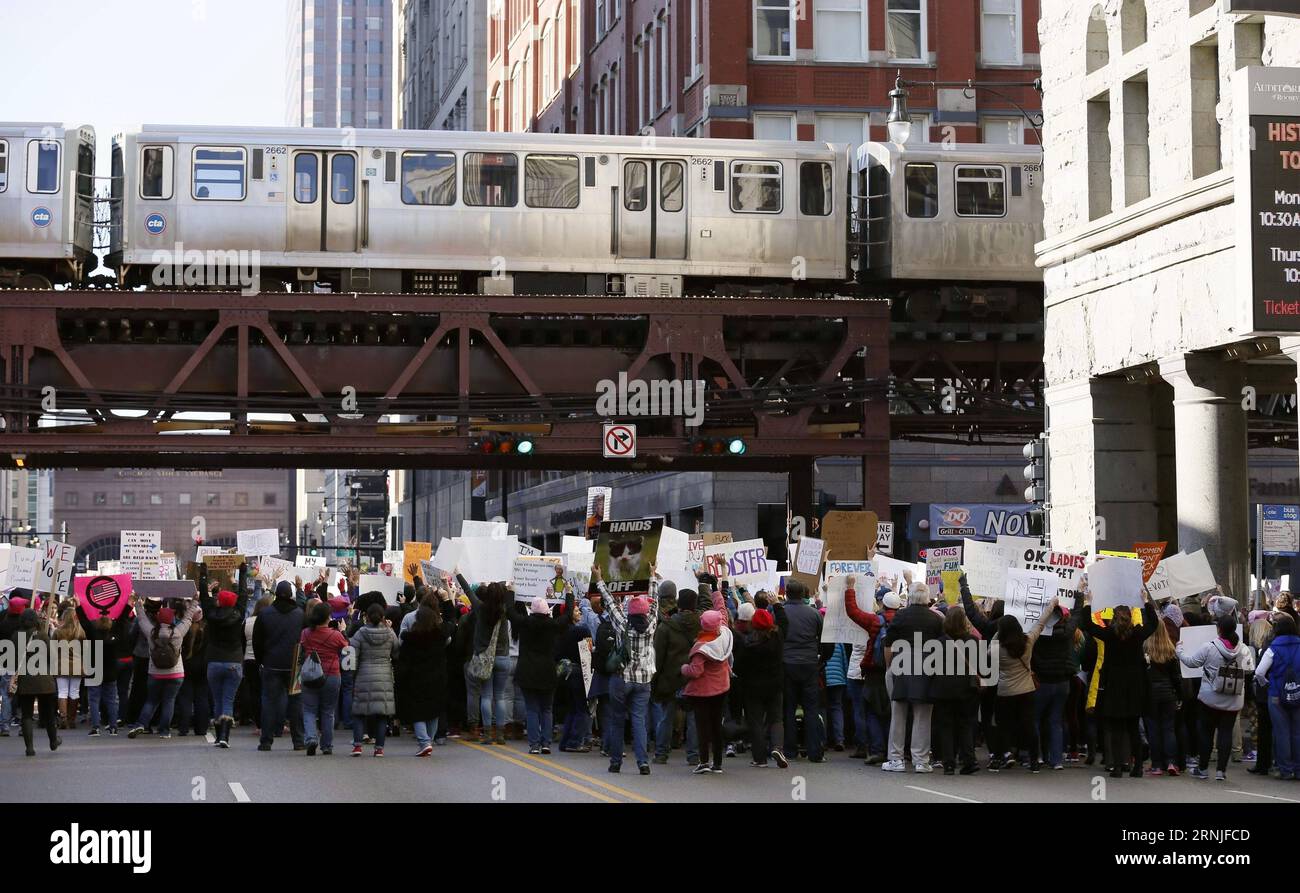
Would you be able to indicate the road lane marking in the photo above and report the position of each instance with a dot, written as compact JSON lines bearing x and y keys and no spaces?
{"x":241,"y":795}
{"x":941,"y":794}
{"x":500,"y":755}
{"x":596,"y":781}
{"x":1265,"y":796}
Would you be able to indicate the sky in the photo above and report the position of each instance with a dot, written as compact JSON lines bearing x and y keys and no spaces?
{"x":117,"y":64}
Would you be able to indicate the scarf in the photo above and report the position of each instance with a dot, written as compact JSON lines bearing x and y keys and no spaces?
{"x":717,"y":648}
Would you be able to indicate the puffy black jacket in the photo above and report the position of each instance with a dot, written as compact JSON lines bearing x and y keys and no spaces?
{"x":759,"y":659}
{"x":673,"y":640}
{"x":275,"y":633}
{"x":1051,"y":661}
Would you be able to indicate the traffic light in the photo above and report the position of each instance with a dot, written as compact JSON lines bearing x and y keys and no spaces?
{"x":502,"y":444}
{"x":718,"y":446}
{"x":1035,"y":452}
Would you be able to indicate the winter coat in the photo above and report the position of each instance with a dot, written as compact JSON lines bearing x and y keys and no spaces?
{"x":1282,"y":655}
{"x":1166,"y":681}
{"x":861,"y":659}
{"x":373,"y":692}
{"x":674,"y":638}
{"x":951,"y":685}
{"x":538,"y":636}
{"x":276,"y":632}
{"x":1052,"y":661}
{"x":1211,"y":657}
{"x":1123,"y":688}
{"x":114,"y":638}
{"x":759,"y":661}
{"x":67,"y":654}
{"x":175,"y":631}
{"x":327,"y":644}
{"x":837,"y":667}
{"x":223,"y":630}
{"x":803,"y":634}
{"x":422,"y":675}
{"x":907,"y":623}
{"x":37,"y":684}
{"x":708,"y":675}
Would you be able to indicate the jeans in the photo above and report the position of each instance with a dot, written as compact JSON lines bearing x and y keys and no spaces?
{"x":318,"y":705}
{"x":223,"y":681}
{"x":347,"y":679}
{"x":665,"y":715}
{"x":577,"y":722}
{"x":1216,"y":724}
{"x":835,"y":713}
{"x":6,"y":703}
{"x":766,"y":730}
{"x":515,"y":695}
{"x":193,"y":707}
{"x":802,"y":690}
{"x":473,"y":696}
{"x":634,"y":701}
{"x":160,"y":696}
{"x":123,"y":686}
{"x":251,"y":700}
{"x":611,"y":726}
{"x":425,"y":731}
{"x":1286,"y":737}
{"x":96,"y":695}
{"x":538,"y":708}
{"x":868,"y":733}
{"x":276,"y":703}
{"x":1049,"y":703}
{"x":1160,"y":733}
{"x":376,"y":726}
{"x":492,"y":701}
{"x":139,"y":691}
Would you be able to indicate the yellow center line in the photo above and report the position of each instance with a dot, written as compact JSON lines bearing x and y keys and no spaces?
{"x":493,"y":751}
{"x":596,"y":781}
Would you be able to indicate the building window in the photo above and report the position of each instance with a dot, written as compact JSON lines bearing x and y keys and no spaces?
{"x":773,"y":29}
{"x":128,"y":499}
{"x":155,"y":499}
{"x":600,"y":19}
{"x":494,"y":108}
{"x":71,"y":499}
{"x":548,"y":62}
{"x":374,"y":23}
{"x":981,"y":191}
{"x":491,"y":179}
{"x":905,"y":30}
{"x":848,"y":129}
{"x":1137,"y":144}
{"x":101,"y":499}
{"x":756,"y":187}
{"x":815,"y":180}
{"x":1098,"y":45}
{"x":345,"y":94}
{"x":921,"y":125}
{"x":374,"y":94}
{"x":345,"y":24}
{"x":665,"y":73}
{"x":374,"y":70}
{"x":268,"y":499}
{"x":1000,"y":32}
{"x":241,"y":499}
{"x":214,"y":499}
{"x":840,"y":31}
{"x":428,"y":178}
{"x":516,"y":99}
{"x":374,"y":46}
{"x":1002,"y":131}
{"x":1132,"y":24}
{"x":347,"y":47}
{"x":551,"y":181}
{"x":774,"y":127}
{"x":922,"y":184}
{"x":697,"y":38}
{"x":183,"y":498}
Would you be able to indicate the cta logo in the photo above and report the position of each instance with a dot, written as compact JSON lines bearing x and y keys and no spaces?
{"x":155,"y":224}
{"x":41,"y":217}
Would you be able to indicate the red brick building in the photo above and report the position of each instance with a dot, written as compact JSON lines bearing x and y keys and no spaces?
{"x":783,"y":69}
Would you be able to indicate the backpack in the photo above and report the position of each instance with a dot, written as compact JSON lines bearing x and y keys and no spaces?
{"x":1231,"y":678}
{"x":164,"y":653}
{"x":606,"y":640}
{"x":313,"y":673}
{"x":1289,"y":696}
{"x":878,"y":646}
{"x":618,"y":655}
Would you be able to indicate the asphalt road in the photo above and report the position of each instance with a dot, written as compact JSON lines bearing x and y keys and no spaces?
{"x":108,"y":769}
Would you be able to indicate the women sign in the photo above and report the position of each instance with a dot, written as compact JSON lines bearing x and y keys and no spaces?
{"x":103,"y":595}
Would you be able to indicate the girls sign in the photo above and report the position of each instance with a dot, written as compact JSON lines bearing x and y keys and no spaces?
{"x":103,"y":594}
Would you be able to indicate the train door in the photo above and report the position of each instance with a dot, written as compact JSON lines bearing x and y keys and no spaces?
{"x":652,"y":217}
{"x":323,"y":211}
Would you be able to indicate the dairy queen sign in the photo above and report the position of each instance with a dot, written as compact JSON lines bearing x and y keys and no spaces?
{"x":979,"y":521}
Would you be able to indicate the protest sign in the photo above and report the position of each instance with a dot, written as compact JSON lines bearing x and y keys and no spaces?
{"x":54,"y":569}
{"x":202,"y":552}
{"x":850,"y":536}
{"x":850,"y":569}
{"x":273,"y":569}
{"x":222,"y":570}
{"x":1069,"y":568}
{"x":1191,"y":639}
{"x":1188,"y":574}
{"x":389,"y":587}
{"x":939,"y":559}
{"x":531,"y":576}
{"x":108,"y":568}
{"x":674,"y":562}
{"x":138,"y":546}
{"x":743,"y":563}
{"x":1028,"y":594}
{"x":806,"y":563}
{"x":311,"y":562}
{"x":19,"y":566}
{"x":265,"y":541}
{"x":412,"y":554}
{"x":624,"y":552}
{"x":391,"y":560}
{"x":575,"y":545}
{"x":429,"y":573}
{"x":890,"y":571}
{"x":493,"y":529}
{"x":525,"y":549}
{"x":584,"y":657}
{"x":1150,"y":554}
{"x":599,"y":501}
{"x":1114,"y":582}
{"x":836,"y":625}
{"x":103,"y":595}
{"x":487,"y":559}
{"x":167,"y":566}
{"x":448,"y":555}
{"x":164,"y":589}
{"x":986,"y":566}
{"x":1110,"y":553}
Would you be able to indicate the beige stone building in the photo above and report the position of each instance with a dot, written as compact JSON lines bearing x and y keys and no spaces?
{"x":1156,"y":370}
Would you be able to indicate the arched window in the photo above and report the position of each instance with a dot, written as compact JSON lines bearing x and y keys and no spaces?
{"x":548,"y":62}
{"x":516,"y":99}
{"x":528,"y":88}
{"x":1098,"y":39}
{"x":102,"y":548}
{"x":1132,"y":24}
{"x":494,"y":108}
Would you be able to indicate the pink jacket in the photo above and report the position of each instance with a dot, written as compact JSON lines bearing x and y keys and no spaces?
{"x":708,"y":676}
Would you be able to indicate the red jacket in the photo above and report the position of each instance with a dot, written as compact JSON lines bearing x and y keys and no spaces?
{"x":327,"y":643}
{"x":868,"y":621}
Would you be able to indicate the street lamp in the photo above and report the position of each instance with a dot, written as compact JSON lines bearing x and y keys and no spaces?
{"x":899,"y":122}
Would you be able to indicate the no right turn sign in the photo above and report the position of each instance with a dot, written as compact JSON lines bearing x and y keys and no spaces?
{"x":619,"y":442}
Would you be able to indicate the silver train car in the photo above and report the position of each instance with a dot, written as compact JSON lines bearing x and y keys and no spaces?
{"x":46,"y":204}
{"x":412,"y":211}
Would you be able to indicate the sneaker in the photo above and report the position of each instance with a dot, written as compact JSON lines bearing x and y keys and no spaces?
{"x":311,"y":749}
{"x":1034,"y":767}
{"x":731,"y":750}
{"x":1251,"y":757}
{"x":757,"y":765}
{"x":876,"y":759}
{"x":615,"y":767}
{"x":643,"y":769}
{"x":367,"y":739}
{"x":379,"y":752}
{"x":923,"y":768}
{"x":165,"y":736}
{"x":1220,"y":776}
{"x":894,"y":766}
{"x":534,"y":751}
{"x":661,"y":761}
{"x":138,"y":730}
{"x":327,"y":751}
{"x":715,"y":770}
{"x":264,"y":747}
{"x":701,"y":769}
{"x":820,"y":759}
{"x":113,"y":731}
{"x":970,"y":770}
{"x":425,"y":751}
{"x":1195,"y":772}
{"x":1059,"y":767}
{"x":546,"y":751}
{"x":356,"y":750}
{"x":1172,"y":771}
{"x":780,"y":758}
{"x":1193,"y":763}
{"x":1155,"y":772}
{"x":995,"y":765}
{"x":859,"y":754}
{"x":837,"y":747}
{"x":93,"y":733}
{"x":949,"y":770}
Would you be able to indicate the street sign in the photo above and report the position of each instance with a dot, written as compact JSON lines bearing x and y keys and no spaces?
{"x":619,"y":442}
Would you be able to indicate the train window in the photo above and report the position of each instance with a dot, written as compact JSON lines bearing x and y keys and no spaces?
{"x":43,"y":166}
{"x":815,"y":188}
{"x":635,"y":177}
{"x":343,"y":178}
{"x":219,"y":173}
{"x":551,"y":181}
{"x":306,"y":168}
{"x":981,"y":191}
{"x":492,"y":179}
{"x":156,"y":172}
{"x":922,"y":182}
{"x":428,"y":178}
{"x":671,"y":177}
{"x":756,"y":187}
{"x":4,"y":165}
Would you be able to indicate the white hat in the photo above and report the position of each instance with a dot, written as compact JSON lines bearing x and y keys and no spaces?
{"x":746,"y":611}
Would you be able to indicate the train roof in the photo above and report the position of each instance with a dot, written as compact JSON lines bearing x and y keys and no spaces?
{"x":38,"y":129}
{"x":458,"y":139}
{"x":936,"y":152}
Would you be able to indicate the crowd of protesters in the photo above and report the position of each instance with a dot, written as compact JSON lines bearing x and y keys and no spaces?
{"x":714,"y":672}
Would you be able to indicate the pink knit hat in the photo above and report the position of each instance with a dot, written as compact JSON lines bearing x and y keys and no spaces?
{"x":540,"y":606}
{"x":711,"y":621}
{"x":638,"y":605}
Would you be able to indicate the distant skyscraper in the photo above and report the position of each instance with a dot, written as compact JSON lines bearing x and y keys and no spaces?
{"x":443,"y":64}
{"x":341,"y":63}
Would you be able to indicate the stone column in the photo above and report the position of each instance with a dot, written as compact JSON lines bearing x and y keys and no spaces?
{"x":1102,"y":472}
{"x":1210,"y":448}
